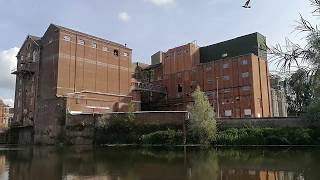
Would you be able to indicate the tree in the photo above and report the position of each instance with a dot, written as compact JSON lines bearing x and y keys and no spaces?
{"x":306,"y":81}
{"x":298,"y":91}
{"x":203,"y":125}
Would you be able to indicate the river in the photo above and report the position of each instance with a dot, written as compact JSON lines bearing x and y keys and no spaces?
{"x":133,"y":163}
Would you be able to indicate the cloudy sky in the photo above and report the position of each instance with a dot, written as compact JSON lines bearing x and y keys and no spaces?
{"x":145,"y":25}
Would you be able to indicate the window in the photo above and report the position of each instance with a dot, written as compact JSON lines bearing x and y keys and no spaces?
{"x":116,"y":52}
{"x":179,"y":88}
{"x":210,"y":81}
{"x":125,"y":54}
{"x":245,"y":74}
{"x":208,"y":68}
{"x":226,"y":65}
{"x":224,"y":55}
{"x":66,"y":38}
{"x":247,"y":112}
{"x":94,"y":45}
{"x":104,"y":49}
{"x":226,"y":78}
{"x":245,"y":88}
{"x":228,"y":113}
{"x":210,"y":93}
{"x":227,"y":90}
{"x":50,"y":41}
{"x":34,"y":56}
{"x":21,"y":58}
{"x":244,"y":62}
{"x":81,"y":42}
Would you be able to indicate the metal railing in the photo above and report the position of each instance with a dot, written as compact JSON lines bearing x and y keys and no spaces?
{"x":139,"y":86}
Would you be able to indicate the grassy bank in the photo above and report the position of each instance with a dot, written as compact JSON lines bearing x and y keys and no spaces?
{"x":269,"y":136}
{"x":245,"y":136}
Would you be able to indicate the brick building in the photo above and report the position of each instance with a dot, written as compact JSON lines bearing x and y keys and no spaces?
{"x":234,"y":74}
{"x":4,"y":115}
{"x":69,"y":71}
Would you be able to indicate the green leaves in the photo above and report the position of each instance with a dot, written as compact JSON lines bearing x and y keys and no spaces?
{"x":202,"y":126}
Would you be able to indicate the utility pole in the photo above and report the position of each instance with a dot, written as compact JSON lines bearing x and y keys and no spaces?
{"x":218,"y":111}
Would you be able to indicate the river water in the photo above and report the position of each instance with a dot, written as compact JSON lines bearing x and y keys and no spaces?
{"x":132,"y":163}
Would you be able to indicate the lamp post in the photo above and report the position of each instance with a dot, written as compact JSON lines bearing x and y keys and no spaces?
{"x":217,"y":96}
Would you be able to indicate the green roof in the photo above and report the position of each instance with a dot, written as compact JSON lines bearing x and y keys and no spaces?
{"x":252,"y":43}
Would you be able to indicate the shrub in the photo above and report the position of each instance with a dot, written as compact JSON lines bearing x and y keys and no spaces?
{"x":202,"y":126}
{"x":169,"y":136}
{"x":269,"y":136}
{"x":313,"y":112}
{"x":115,"y":129}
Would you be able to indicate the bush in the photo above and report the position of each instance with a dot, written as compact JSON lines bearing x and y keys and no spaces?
{"x":115,"y":129}
{"x":169,"y":137}
{"x":202,"y":125}
{"x":313,"y":112}
{"x":269,"y":136}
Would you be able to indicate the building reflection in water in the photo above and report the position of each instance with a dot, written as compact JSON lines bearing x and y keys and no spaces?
{"x":260,"y":175}
{"x":76,"y":163}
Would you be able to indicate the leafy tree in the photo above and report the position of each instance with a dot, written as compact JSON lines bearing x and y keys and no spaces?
{"x":298,"y":91}
{"x":203,"y":125}
{"x":305,"y":83}
{"x":131,"y":109}
{"x":313,"y":111}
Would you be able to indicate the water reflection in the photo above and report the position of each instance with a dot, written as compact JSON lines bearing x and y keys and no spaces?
{"x":75,"y":163}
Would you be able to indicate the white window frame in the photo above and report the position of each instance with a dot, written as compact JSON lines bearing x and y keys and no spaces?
{"x":245,"y":75}
{"x":104,"y":48}
{"x":228,"y":113}
{"x":94,"y":45}
{"x":226,"y":65}
{"x":245,"y":88}
{"x":66,"y":38}
{"x":226,"y":78}
{"x":81,"y":42}
{"x":247,"y":112}
{"x":244,"y":62}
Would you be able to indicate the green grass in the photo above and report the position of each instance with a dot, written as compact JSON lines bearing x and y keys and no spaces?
{"x":269,"y":136}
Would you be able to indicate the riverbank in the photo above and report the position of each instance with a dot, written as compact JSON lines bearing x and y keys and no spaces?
{"x":229,"y":137}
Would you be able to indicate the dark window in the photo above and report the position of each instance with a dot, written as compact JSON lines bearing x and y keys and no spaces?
{"x":116,"y":52}
{"x":179,"y":88}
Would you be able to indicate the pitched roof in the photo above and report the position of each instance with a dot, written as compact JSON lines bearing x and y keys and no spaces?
{"x":94,"y":37}
{"x":35,"y":39}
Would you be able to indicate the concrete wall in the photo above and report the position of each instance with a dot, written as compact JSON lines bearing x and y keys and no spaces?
{"x":80,"y":129}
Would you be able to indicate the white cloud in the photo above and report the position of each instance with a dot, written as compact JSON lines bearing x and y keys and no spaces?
{"x":7,"y":80}
{"x":123,"y":16}
{"x":161,"y":2}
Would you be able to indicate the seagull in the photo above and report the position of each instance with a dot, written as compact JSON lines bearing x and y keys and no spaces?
{"x":246,"y":5}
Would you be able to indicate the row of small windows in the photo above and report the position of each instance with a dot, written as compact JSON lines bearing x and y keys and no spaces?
{"x":247,"y":112}
{"x":243,"y":62}
{"x":227,"y":65}
{"x":227,"y":77}
{"x":243,"y":88}
{"x":94,"y":45}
